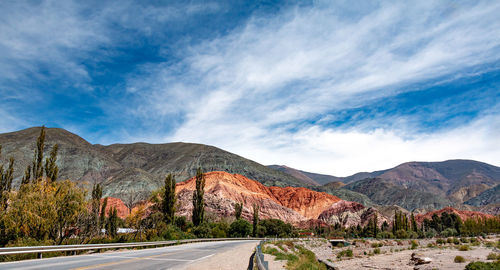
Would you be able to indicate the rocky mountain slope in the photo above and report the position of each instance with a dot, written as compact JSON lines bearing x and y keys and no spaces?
{"x":489,"y":196}
{"x":429,"y":185}
{"x":223,"y":190}
{"x":126,"y":170}
{"x":385,"y":192}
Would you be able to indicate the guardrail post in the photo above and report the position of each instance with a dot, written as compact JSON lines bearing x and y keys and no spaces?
{"x":39,"y":255}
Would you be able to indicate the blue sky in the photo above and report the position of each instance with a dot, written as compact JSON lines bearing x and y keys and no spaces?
{"x":333,"y":87}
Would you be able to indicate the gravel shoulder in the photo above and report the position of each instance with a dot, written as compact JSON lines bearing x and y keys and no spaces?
{"x":231,"y":259}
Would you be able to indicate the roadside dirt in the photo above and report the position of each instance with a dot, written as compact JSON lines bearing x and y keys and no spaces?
{"x":236,"y":258}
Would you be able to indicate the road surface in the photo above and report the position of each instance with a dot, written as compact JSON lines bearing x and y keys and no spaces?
{"x":173,"y":257}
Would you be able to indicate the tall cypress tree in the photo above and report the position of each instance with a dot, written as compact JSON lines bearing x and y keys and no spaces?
{"x":198,"y":202}
{"x":169,"y":199}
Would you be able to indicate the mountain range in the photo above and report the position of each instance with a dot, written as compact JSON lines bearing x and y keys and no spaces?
{"x":132,"y":171}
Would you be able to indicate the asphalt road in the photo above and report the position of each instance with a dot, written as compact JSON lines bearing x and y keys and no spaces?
{"x":155,"y":258}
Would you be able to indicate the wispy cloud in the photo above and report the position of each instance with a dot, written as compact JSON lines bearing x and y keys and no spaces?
{"x":254,"y":90}
{"x":271,"y":88}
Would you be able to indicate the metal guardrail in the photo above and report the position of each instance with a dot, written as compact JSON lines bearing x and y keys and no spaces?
{"x":73,"y":248}
{"x":261,"y":263}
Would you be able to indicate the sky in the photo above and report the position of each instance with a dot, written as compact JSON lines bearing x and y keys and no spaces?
{"x":334,"y":87}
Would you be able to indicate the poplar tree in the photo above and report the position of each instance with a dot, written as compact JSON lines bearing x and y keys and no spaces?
{"x":238,"y":208}
{"x":198,"y":202}
{"x":51,"y":169}
{"x":169,"y":199}
{"x":96,"y":205}
{"x":27,"y":176}
{"x":37,"y":165}
{"x":255,"y":219}
{"x":414,"y":226}
{"x":102,"y":217}
{"x":112,"y":225}
{"x":375,"y":226}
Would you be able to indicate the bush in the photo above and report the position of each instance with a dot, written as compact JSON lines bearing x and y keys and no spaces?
{"x":401,"y":234}
{"x":449,"y":232}
{"x":459,"y":259}
{"x":219,"y":229}
{"x":240,"y":228}
{"x":440,"y":241}
{"x":275,"y":228}
{"x":483,"y":266}
{"x":376,"y":251}
{"x":202,"y":231}
{"x":430,"y":233}
{"x":463,"y":248}
{"x":345,"y":253}
{"x":414,"y":244}
{"x":493,"y":256}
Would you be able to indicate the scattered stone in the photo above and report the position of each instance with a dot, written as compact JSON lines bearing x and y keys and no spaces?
{"x":418,"y":259}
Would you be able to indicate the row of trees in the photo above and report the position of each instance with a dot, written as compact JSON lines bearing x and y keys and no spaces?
{"x":404,"y":226}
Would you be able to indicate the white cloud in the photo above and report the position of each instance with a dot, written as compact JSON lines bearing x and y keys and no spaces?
{"x":250,"y":88}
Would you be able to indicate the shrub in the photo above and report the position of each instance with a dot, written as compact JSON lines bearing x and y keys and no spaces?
{"x":463,"y":248}
{"x":345,"y":253}
{"x":414,"y":244}
{"x":449,"y":232}
{"x":240,"y":228}
{"x":276,"y":228}
{"x":459,"y":259}
{"x":440,"y":241}
{"x":376,"y":251}
{"x":493,"y":256}
{"x":401,"y":234}
{"x":483,"y":266}
{"x":202,"y":231}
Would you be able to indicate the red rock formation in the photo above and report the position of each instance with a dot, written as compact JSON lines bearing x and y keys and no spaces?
{"x":223,"y":190}
{"x":464,"y":215}
{"x":120,"y":207}
{"x":308,"y":203}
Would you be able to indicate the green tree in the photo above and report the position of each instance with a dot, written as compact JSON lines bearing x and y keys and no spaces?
{"x":95,"y":207}
{"x":112,"y":225}
{"x":43,"y":210}
{"x":69,"y":202}
{"x":414,"y":226}
{"x":37,"y":166}
{"x":238,"y":208}
{"x":240,"y":228}
{"x":255,"y":219}
{"x":198,"y":202}
{"x":169,"y":199}
{"x":102,"y":217}
{"x":51,"y":169}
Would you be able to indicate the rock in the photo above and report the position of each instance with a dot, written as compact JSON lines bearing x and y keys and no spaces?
{"x":419,"y":259}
